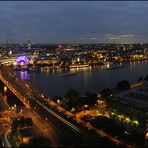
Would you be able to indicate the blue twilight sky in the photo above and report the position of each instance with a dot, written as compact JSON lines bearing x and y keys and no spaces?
{"x":77,"y":22}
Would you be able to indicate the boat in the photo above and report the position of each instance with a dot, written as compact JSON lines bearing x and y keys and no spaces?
{"x":67,"y":74}
{"x":78,"y":66}
{"x":34,"y":69}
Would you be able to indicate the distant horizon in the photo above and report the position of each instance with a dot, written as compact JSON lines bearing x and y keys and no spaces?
{"x":72,"y":43}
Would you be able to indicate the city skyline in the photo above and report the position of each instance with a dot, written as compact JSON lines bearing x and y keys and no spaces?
{"x":74,"y":22}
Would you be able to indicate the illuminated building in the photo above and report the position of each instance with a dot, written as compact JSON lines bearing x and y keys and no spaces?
{"x":22,"y":60}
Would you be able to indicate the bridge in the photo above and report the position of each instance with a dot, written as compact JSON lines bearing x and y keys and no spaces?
{"x":33,"y":98}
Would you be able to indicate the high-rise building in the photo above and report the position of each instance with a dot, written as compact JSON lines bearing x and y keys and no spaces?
{"x":29,"y":44}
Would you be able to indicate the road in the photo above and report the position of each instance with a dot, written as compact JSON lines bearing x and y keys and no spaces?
{"x":8,"y":144}
{"x":41,"y":126}
{"x":3,"y":104}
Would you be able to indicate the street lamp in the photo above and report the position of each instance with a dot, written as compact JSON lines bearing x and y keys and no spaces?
{"x":5,"y":89}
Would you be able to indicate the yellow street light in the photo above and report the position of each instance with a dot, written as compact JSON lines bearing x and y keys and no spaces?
{"x":5,"y":89}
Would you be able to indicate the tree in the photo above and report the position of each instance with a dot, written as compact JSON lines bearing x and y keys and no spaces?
{"x":92,"y":98}
{"x":29,"y":122}
{"x":14,"y":125}
{"x":138,"y":137}
{"x":21,"y":122}
{"x":140,"y":79}
{"x":123,"y":85}
{"x":72,"y":94}
{"x":146,"y":78}
{"x":106,"y":92}
{"x":72,"y":98}
{"x":91,"y":95}
{"x":56,"y":97}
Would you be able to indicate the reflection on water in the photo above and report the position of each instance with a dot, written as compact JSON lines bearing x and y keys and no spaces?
{"x":5,"y":99}
{"x":87,"y":79}
{"x":79,"y":69}
{"x":23,"y":75}
{"x":108,"y":65}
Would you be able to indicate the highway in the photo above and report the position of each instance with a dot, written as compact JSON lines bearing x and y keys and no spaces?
{"x":59,"y":117}
{"x":42,"y":127}
{"x":31,"y":97}
{"x":8,"y":144}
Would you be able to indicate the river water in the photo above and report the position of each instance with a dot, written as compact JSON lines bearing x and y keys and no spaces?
{"x":87,"y":79}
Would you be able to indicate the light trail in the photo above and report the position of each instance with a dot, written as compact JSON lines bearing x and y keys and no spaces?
{"x":59,"y":117}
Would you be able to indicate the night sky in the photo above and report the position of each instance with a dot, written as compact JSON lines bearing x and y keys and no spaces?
{"x":74,"y":22}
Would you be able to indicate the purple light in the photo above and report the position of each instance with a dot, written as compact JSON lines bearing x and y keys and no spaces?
{"x":22,"y":59}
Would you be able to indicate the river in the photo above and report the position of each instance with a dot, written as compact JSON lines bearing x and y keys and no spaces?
{"x":87,"y":79}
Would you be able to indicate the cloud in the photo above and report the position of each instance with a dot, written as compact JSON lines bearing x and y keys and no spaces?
{"x":119,"y":37}
{"x":127,"y":35}
{"x":90,"y":38}
{"x":52,"y":22}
